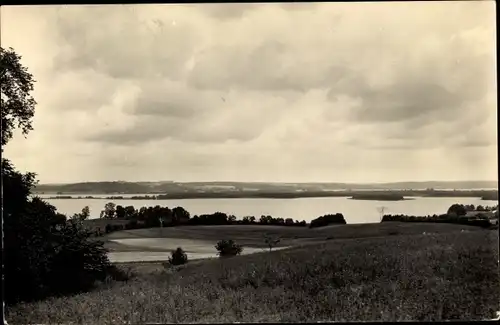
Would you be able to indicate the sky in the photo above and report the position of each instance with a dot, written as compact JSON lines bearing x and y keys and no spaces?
{"x":311,"y":92}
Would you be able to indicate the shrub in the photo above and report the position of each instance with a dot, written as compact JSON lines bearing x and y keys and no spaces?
{"x":178,"y":257}
{"x":457,"y":209}
{"x":77,"y":263}
{"x":227,"y":248}
{"x":120,"y":273}
{"x":327,"y":220}
{"x":46,"y":256}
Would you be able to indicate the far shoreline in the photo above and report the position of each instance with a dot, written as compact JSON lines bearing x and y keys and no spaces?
{"x":349,"y":197}
{"x":365,"y":196}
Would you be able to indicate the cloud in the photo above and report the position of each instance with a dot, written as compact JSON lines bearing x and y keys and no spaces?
{"x":345,"y":90}
{"x":229,"y":10}
{"x":206,"y":118}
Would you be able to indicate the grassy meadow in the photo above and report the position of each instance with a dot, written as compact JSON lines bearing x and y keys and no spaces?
{"x":373,"y":272}
{"x":252,"y":235}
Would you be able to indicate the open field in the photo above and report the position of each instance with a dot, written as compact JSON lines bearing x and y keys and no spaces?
{"x":155,"y":244}
{"x":447,"y":274}
{"x":253,"y":235}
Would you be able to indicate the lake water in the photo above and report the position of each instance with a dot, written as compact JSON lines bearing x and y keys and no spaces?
{"x":354,"y":211}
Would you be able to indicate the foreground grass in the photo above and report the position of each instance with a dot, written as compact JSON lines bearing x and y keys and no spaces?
{"x":415,"y":277}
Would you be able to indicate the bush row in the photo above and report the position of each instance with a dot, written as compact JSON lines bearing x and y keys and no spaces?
{"x":163,"y":216}
{"x":220,"y":218}
{"x":328,"y":219}
{"x":444,"y":218}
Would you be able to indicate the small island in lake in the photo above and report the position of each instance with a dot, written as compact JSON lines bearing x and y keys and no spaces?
{"x":490,"y":196}
{"x":379,"y":197}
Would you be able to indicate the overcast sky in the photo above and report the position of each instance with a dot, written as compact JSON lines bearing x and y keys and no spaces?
{"x":341,"y":92}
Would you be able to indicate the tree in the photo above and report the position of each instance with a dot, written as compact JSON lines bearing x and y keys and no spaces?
{"x":381,"y":211}
{"x":130,"y":212}
{"x":120,"y":212}
{"x":471,"y":207}
{"x":85,"y":213}
{"x":18,"y":106}
{"x":109,"y":210}
{"x":264,"y":219}
{"x":271,"y":242}
{"x":180,"y":215}
{"x":166,"y":215}
{"x":457,"y":210}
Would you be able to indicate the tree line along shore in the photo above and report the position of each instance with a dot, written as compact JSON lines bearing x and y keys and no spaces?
{"x":116,"y":217}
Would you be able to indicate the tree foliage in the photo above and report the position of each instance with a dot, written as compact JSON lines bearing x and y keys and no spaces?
{"x":120,"y":212}
{"x":457,"y":209}
{"x":271,"y":242}
{"x":109,"y":211}
{"x":18,"y":106}
{"x":84,"y":215}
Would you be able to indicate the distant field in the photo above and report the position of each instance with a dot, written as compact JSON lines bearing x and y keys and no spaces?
{"x":445,"y":275}
{"x":180,"y":187}
{"x":382,"y":195}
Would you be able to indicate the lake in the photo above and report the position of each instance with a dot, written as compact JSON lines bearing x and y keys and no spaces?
{"x":354,"y":211}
